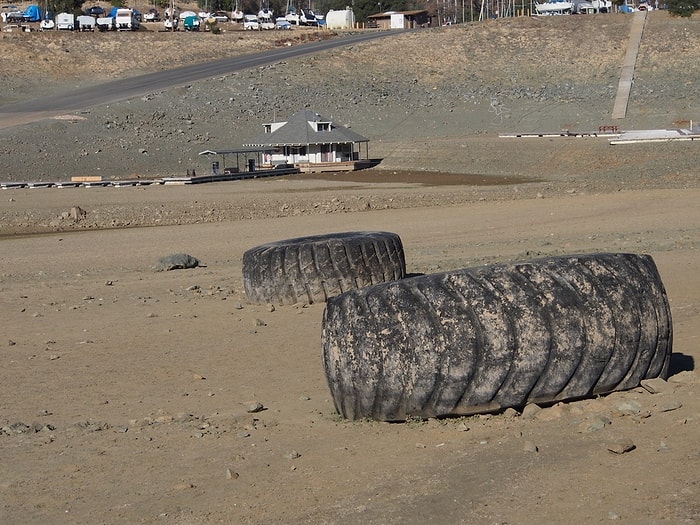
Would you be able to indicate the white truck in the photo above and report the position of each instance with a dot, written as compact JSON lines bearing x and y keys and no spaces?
{"x":126,"y":20}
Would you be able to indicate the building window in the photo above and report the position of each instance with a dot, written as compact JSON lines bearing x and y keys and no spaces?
{"x":323,"y":126}
{"x":268,"y":128}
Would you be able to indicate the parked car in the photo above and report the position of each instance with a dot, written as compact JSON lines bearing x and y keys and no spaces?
{"x":283,"y":24}
{"x":250,"y":22}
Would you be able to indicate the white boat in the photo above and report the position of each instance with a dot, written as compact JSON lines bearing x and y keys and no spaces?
{"x":237,"y":15}
{"x":554,"y":8}
{"x":47,"y":24}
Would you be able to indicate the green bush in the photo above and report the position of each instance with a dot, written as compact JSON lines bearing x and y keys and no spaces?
{"x":684,"y":8}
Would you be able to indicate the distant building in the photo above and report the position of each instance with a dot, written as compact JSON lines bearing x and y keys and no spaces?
{"x":400,"y":19}
{"x":311,"y":142}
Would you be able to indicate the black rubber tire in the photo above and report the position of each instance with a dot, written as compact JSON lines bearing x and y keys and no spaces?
{"x":312,"y":269}
{"x":484,"y":339}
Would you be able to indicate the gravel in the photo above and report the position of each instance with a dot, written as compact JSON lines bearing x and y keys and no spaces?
{"x":429,"y":101}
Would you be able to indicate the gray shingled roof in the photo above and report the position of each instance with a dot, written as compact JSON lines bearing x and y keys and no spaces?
{"x":298,"y":132}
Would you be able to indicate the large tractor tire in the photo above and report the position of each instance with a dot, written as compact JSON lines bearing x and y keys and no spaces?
{"x":484,"y":339}
{"x":312,"y":269}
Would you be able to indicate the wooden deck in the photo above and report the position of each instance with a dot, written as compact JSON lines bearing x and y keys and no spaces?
{"x":310,"y":167}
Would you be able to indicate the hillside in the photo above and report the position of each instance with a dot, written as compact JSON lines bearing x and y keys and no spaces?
{"x":427,"y":100}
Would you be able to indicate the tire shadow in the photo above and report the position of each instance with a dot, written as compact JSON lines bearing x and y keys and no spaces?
{"x":680,"y":363}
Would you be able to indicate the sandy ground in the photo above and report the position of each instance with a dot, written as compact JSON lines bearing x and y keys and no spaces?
{"x":136,"y":384}
{"x":126,"y":393}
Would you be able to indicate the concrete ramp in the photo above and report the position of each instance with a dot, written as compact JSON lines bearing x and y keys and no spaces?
{"x":627,"y":72}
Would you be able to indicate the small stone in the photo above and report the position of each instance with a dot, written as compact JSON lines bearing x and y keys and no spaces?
{"x":292,"y":455}
{"x":255,"y":407}
{"x":686,"y":377}
{"x":198,"y":377}
{"x":551,"y":413}
{"x":656,"y":385}
{"x":243,"y":434}
{"x":594,"y":424}
{"x":621,"y":447}
{"x":462,"y":427}
{"x":530,"y":447}
{"x":510,"y":412}
{"x":260,"y":322}
{"x":230,"y":474}
{"x":671,"y":404}
{"x":530,"y":411}
{"x":77,"y":213}
{"x":270,"y":308}
{"x":627,"y":407}
{"x":238,"y":306}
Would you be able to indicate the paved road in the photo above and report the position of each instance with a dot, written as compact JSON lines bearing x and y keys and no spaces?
{"x":51,"y":106}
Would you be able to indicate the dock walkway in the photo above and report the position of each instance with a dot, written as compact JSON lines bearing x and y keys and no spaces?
{"x":624,"y":86}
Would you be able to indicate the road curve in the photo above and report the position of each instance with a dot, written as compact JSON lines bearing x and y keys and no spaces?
{"x":126,"y":88}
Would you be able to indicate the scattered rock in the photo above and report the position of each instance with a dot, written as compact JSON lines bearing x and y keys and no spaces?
{"x":671,"y":404}
{"x":656,"y":385}
{"x":626,"y":406}
{"x":529,"y":446}
{"x":255,"y":407}
{"x":530,"y":411}
{"x":686,"y":377}
{"x":77,"y":213}
{"x":621,"y":446}
{"x":177,"y":261}
{"x":593,"y":424}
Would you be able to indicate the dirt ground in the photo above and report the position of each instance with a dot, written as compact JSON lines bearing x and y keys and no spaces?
{"x":127,"y":394}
